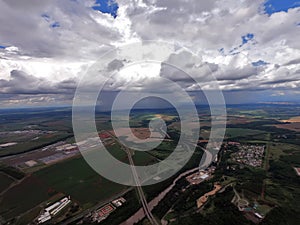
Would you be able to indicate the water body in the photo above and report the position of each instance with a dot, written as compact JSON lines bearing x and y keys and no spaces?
{"x":139,"y":215}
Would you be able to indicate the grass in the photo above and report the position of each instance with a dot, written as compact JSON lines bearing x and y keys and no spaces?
{"x":34,"y":144}
{"x":143,"y":158}
{"x":227,"y":180}
{"x":29,"y":216}
{"x":116,"y":151}
{"x":279,"y":149}
{"x":23,"y":197}
{"x":241,"y":132}
{"x":5,"y":181}
{"x":170,"y":216}
{"x":76,"y":178}
{"x":263,"y":209}
{"x":163,"y":150}
{"x":257,"y":113}
{"x":11,"y":172}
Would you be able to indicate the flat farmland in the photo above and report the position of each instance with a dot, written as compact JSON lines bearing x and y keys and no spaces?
{"x":165,"y":117}
{"x":75,"y":177}
{"x":294,"y":126}
{"x":143,"y":158}
{"x":33,"y":155}
{"x":239,"y":120}
{"x":241,"y":132}
{"x":23,"y":197}
{"x":163,"y":150}
{"x":254,"y":113}
{"x":295,"y":119}
{"x":139,"y":157}
{"x":6,"y":181}
{"x":150,"y":116}
{"x":141,"y":133}
{"x":31,"y":144}
{"x":116,"y":151}
{"x":279,"y":149}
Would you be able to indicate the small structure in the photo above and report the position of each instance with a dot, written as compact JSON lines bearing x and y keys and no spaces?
{"x":103,"y":212}
{"x":53,"y":210}
{"x":198,"y":177}
{"x":258,"y":215}
{"x":118,"y":202}
{"x":8,"y":144}
{"x":106,"y":210}
{"x":297,"y":171}
{"x":30,"y":163}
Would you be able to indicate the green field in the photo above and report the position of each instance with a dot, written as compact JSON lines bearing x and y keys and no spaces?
{"x":28,"y":194}
{"x":143,"y":158}
{"x":163,"y":150}
{"x":257,"y":113}
{"x":28,"y":145}
{"x":280,"y":149}
{"x":241,"y":132}
{"x":75,"y":177}
{"x":139,"y":157}
{"x":275,"y":187}
{"x":5,"y":181}
{"x":116,"y":151}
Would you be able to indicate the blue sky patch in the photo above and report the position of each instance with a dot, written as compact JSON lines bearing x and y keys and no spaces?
{"x":222,"y":51}
{"x":107,"y":6}
{"x":2,"y":47}
{"x":274,"y":6}
{"x":55,"y":25}
{"x":236,"y":50}
{"x":46,"y":17}
{"x":247,"y":38}
{"x":259,"y":63}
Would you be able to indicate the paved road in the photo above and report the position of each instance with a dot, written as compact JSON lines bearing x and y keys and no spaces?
{"x":147,"y":207}
{"x":143,"y":199}
{"x":139,"y":215}
{"x":138,"y":183}
{"x":206,"y":160}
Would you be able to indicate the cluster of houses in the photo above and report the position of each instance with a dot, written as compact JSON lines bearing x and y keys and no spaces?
{"x":251,"y":155}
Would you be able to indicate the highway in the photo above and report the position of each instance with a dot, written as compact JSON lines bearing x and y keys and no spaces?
{"x":142,"y":196}
{"x":139,"y":215}
{"x":136,"y":178}
{"x":145,"y":206}
{"x":208,"y":157}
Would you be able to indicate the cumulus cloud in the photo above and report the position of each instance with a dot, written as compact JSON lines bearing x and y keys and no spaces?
{"x":30,"y":25}
{"x":49,"y":45}
{"x":22,"y":83}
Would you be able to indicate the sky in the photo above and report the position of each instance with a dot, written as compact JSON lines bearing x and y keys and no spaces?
{"x":251,"y":46}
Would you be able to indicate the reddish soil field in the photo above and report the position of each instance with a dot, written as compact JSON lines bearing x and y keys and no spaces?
{"x":290,"y":126}
{"x":238,"y":120}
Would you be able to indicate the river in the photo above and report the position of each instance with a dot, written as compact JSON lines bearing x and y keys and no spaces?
{"x":139,"y":215}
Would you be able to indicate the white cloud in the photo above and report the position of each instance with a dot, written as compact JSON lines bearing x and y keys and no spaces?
{"x":56,"y":55}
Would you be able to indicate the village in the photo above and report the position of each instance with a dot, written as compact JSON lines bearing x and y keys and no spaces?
{"x":250,"y":155}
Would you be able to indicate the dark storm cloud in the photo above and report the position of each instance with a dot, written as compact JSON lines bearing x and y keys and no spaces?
{"x":35,"y":47}
{"x":115,"y":65}
{"x":22,"y":83}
